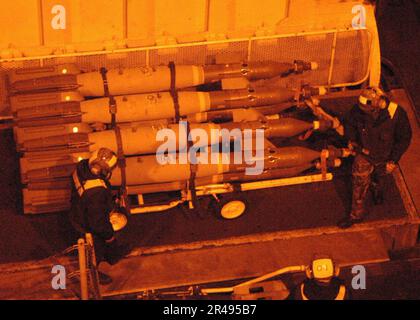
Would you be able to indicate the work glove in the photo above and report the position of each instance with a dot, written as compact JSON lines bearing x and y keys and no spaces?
{"x":390,"y":167}
{"x":356,"y":148}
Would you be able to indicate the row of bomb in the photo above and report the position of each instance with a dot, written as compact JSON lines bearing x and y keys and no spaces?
{"x":60,"y":120}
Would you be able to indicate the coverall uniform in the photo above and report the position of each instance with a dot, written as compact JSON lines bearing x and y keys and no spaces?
{"x":91,"y":205}
{"x":378,"y":141}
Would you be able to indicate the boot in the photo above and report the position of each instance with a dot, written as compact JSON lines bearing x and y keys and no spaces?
{"x":378,"y":196}
{"x":117,"y":252}
{"x":357,"y":214}
{"x":347,"y":222}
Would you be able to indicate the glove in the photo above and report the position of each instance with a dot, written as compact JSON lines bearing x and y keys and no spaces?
{"x":356,"y":148}
{"x":352,"y":145}
{"x":390,"y":166}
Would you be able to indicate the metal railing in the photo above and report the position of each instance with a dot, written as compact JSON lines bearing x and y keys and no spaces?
{"x":342,"y":54}
{"x":88,"y":269}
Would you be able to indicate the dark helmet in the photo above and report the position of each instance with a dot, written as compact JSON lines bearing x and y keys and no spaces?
{"x":322,"y":269}
{"x":102,"y":162}
{"x":372,"y":100}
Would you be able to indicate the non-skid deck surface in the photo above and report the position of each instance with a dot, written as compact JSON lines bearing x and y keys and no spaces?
{"x":243,"y":261}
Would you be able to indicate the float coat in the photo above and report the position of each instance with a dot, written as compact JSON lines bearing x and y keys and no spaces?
{"x":152,"y":79}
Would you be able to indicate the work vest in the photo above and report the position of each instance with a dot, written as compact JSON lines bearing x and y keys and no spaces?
{"x":340,"y":295}
{"x":88,"y":184}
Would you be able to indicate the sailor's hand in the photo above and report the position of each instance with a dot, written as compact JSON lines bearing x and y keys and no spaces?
{"x":390,"y":166}
{"x":352,"y":145}
{"x":366,"y":152}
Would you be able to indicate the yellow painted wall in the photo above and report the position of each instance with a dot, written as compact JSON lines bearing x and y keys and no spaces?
{"x":237,"y":15}
{"x":86,"y":21}
{"x":27,"y":25}
{"x":20,"y":23}
{"x":96,"y":20}
{"x":307,"y":15}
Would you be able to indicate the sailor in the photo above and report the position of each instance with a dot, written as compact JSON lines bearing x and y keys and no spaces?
{"x":321,"y":283}
{"x":379,"y":132}
{"x":91,"y":205}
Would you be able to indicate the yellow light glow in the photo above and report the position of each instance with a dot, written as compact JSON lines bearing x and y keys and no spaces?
{"x":64,"y":71}
{"x":79,"y":158}
{"x":67,"y":98}
{"x":75,"y":129}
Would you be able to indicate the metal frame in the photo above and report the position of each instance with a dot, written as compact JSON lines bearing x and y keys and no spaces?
{"x":88,"y":269}
{"x":84,"y":290}
{"x":215,"y":189}
{"x":249,"y":40}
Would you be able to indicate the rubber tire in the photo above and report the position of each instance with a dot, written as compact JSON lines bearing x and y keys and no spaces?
{"x":215,"y":207}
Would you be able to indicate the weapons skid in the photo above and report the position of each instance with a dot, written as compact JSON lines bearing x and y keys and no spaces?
{"x":54,"y":99}
{"x":51,"y":184}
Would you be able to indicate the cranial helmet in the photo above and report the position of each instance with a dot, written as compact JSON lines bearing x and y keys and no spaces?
{"x":102,"y":162}
{"x":372,"y":100}
{"x":322,"y":269}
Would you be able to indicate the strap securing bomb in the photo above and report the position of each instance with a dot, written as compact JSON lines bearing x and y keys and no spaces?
{"x":174,"y":91}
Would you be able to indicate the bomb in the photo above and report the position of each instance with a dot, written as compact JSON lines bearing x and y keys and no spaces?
{"x":141,"y":139}
{"x":145,"y":79}
{"x":153,"y":106}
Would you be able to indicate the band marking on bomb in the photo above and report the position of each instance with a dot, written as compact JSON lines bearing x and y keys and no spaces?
{"x":244,"y":147}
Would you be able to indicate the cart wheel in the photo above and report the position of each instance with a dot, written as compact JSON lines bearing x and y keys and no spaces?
{"x":228,"y":207}
{"x":118,"y":220}
{"x":233,"y":209}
